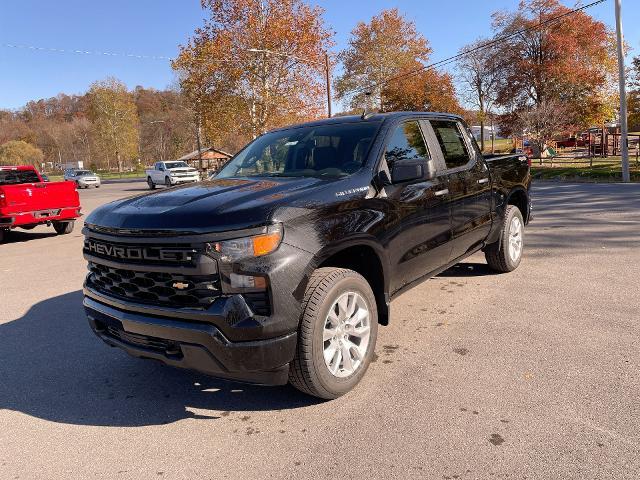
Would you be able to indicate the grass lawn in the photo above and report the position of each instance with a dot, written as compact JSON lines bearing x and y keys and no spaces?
{"x":105,"y":176}
{"x":605,"y":171}
{"x":500,"y":145}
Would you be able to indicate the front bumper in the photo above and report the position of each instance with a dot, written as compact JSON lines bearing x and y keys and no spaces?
{"x":89,"y":183}
{"x":192,"y":345}
{"x":228,"y":337}
{"x":178,"y":180}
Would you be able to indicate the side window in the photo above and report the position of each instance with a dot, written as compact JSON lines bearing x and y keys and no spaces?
{"x":451,"y":142}
{"x":406,"y":143}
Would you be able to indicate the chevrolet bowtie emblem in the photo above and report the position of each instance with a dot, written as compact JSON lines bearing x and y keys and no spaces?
{"x":180,"y":285}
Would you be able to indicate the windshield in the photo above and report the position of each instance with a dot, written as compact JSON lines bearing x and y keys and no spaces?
{"x":314,"y":151}
{"x":81,"y":173}
{"x":176,"y":165}
{"x":12,"y":177}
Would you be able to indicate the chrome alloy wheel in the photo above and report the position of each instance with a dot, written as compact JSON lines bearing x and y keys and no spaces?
{"x":346,"y":334}
{"x":515,"y":239}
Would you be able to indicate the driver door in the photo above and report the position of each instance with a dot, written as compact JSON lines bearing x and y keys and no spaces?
{"x":419,"y":229}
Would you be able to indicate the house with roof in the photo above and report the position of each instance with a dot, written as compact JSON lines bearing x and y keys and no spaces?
{"x":212,"y":158}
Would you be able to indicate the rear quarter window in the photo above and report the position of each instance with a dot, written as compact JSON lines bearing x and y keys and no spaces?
{"x":451,"y":142}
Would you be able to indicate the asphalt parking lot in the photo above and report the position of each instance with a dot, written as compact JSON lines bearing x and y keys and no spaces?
{"x":533,"y":374}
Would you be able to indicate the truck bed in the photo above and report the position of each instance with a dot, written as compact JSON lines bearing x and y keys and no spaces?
{"x":34,"y":203}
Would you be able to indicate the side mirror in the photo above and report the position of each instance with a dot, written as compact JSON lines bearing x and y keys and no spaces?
{"x":404,"y":171}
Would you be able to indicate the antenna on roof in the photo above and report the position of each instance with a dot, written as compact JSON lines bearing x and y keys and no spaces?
{"x":365,"y":113}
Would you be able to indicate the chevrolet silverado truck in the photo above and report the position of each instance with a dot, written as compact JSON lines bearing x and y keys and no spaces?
{"x":280,"y":268}
{"x":27,"y":200}
{"x":171,"y":173}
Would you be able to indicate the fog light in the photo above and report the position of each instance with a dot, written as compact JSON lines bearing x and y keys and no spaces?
{"x":247,"y":281}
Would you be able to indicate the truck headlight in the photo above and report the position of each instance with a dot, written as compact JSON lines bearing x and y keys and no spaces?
{"x":254,"y":246}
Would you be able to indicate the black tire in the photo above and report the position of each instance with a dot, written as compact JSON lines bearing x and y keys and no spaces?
{"x":167,"y":182}
{"x":309,"y":372}
{"x":498,"y":254}
{"x":63,"y":228}
{"x":3,"y":234}
{"x":78,"y":187}
{"x":152,"y":186}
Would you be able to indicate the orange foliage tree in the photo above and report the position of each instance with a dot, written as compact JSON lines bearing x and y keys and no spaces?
{"x":255,"y":65}
{"x":569,"y":61}
{"x":388,"y":55}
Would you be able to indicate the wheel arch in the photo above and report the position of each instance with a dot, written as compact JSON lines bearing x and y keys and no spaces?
{"x":519,"y":197}
{"x":366,"y":257}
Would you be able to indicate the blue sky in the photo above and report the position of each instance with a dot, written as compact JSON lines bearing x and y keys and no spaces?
{"x":157,"y":27}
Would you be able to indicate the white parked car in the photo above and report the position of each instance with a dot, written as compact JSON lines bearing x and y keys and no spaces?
{"x":171,"y":173}
{"x":82,"y":178}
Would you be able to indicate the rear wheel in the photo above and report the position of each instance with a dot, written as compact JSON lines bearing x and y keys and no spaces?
{"x":152,"y":185}
{"x":337,"y":334}
{"x":3,"y":234}
{"x":63,"y":228}
{"x":505,"y":254}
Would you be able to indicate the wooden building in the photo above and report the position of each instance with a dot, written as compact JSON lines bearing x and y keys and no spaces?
{"x":212,"y":158}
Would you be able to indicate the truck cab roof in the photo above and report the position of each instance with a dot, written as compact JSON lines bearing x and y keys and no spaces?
{"x":370,"y":117}
{"x":17,"y":167}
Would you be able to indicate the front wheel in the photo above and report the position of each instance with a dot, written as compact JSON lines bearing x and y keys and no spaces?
{"x":63,"y":228}
{"x":167,"y":182}
{"x":337,"y":334}
{"x":3,"y":234}
{"x":505,"y":254}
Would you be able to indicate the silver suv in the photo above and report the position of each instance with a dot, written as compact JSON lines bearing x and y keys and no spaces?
{"x":82,"y":178}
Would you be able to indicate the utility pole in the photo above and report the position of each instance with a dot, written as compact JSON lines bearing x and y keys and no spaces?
{"x":198,"y":142}
{"x":624,"y":143}
{"x":328,"y":79}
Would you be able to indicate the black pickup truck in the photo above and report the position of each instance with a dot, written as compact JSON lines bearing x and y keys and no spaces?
{"x":280,"y":268}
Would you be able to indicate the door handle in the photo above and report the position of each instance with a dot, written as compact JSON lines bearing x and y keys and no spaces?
{"x":440,"y":193}
{"x":483,"y":180}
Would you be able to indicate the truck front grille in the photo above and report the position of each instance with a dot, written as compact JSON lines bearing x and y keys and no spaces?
{"x":157,"y":288}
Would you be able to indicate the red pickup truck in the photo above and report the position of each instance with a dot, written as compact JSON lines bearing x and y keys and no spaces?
{"x":26,"y":201}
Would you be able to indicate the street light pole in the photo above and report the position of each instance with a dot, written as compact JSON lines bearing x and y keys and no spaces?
{"x":624,"y":143}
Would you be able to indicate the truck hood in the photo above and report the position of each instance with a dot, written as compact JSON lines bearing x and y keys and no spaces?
{"x":210,"y":206}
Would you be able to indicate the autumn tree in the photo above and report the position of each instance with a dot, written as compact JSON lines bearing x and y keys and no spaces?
{"x":167,"y":129}
{"x":633,"y":97}
{"x":12,"y":127}
{"x":18,"y":152}
{"x":635,"y":73}
{"x":389,"y":45}
{"x":569,"y":61}
{"x":422,"y":90}
{"x":255,"y":65}
{"x":479,"y":74}
{"x":115,"y":119}
{"x":540,"y":123}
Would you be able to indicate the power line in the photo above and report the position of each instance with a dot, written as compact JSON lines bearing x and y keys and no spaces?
{"x":448,"y":60}
{"x":84,"y":52}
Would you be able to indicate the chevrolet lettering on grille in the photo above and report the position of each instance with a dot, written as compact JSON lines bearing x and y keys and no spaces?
{"x":137,"y":253}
